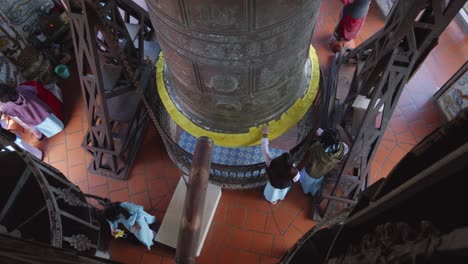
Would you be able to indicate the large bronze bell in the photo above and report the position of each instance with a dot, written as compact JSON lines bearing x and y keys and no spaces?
{"x":234,"y":64}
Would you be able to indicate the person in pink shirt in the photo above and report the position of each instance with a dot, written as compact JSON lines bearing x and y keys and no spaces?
{"x":25,"y":103}
{"x":352,"y":19}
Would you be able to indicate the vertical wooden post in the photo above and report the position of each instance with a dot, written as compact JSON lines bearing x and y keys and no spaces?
{"x":189,"y":232}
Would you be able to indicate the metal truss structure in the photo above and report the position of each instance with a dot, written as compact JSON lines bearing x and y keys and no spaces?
{"x":39,"y":203}
{"x":384,"y":64}
{"x":104,"y":33}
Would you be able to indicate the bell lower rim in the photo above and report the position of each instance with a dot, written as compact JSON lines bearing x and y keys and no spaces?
{"x":277,"y":127}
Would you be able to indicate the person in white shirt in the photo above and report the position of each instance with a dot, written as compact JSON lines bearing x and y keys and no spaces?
{"x":281,"y":172}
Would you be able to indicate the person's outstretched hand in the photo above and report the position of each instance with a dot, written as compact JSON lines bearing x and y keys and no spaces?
{"x":265,"y":130}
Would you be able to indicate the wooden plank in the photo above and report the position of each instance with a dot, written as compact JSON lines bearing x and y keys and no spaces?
{"x":169,"y":230}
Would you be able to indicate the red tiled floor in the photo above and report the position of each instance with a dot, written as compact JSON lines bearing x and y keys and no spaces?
{"x":115,"y":185}
{"x":61,"y":166}
{"x":78,"y":173}
{"x":137,"y":183}
{"x":262,"y":243}
{"x":283,"y":218}
{"x":236,"y":216}
{"x":405,"y":146}
{"x":74,"y":124}
{"x":220,"y":215}
{"x":246,"y":228}
{"x":57,"y":153}
{"x":221,"y":234}
{"x":155,"y":170}
{"x":120,"y":195}
{"x":271,"y":227}
{"x":83,"y":186}
{"x":279,"y":247}
{"x":151,"y":259}
{"x":95,"y":180}
{"x":163,"y":203}
{"x":125,"y":254}
{"x":241,"y":239}
{"x":76,"y":156}
{"x":158,"y":188}
{"x":255,"y":220}
{"x":139,"y":167}
{"x":167,"y":261}
{"x":228,"y":256}
{"x":397,"y":153}
{"x":74,"y":140}
{"x":382,"y":153}
{"x":208,"y":255}
{"x":291,"y":236}
{"x":268,"y":260}
{"x":398,"y":125}
{"x":405,"y":137}
{"x":100,"y":191}
{"x":410,"y":112}
{"x":419,"y":129}
{"x":303,"y":222}
{"x":142,"y":199}
{"x":387,"y":166}
{"x":247,"y":257}
{"x":56,"y":140}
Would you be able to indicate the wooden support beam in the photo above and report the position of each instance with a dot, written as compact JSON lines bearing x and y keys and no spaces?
{"x":190,"y":226}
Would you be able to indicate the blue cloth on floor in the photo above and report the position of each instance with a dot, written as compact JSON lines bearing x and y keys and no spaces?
{"x":51,"y":126}
{"x":229,"y":156}
{"x":273,"y":194}
{"x":309,"y":184}
{"x":137,"y":214}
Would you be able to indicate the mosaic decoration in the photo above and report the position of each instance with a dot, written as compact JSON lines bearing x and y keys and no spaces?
{"x":8,"y":72}
{"x":455,"y":98}
{"x":229,"y":156}
{"x":80,"y":242}
{"x":23,"y":15}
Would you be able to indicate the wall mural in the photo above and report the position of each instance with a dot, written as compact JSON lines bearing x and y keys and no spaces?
{"x":455,"y":98}
{"x":22,"y":15}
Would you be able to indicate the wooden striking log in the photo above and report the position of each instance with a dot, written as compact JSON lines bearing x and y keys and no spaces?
{"x":190,"y":226}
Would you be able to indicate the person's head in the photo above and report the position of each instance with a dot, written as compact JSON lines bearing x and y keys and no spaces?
{"x":282,"y":167}
{"x":113,"y":211}
{"x":7,"y":93}
{"x":329,"y":137}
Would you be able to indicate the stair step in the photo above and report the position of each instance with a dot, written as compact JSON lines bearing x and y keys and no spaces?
{"x":110,"y":76}
{"x":123,"y":107}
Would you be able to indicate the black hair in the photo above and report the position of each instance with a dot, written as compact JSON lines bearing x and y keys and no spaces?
{"x":7,"y":93}
{"x":112,"y":211}
{"x":282,"y":167}
{"x":330,"y":136}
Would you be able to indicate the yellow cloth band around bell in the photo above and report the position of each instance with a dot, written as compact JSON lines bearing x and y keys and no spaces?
{"x":276,"y":127}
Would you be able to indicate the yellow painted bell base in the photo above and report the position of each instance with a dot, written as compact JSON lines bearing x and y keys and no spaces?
{"x":276,"y":127}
